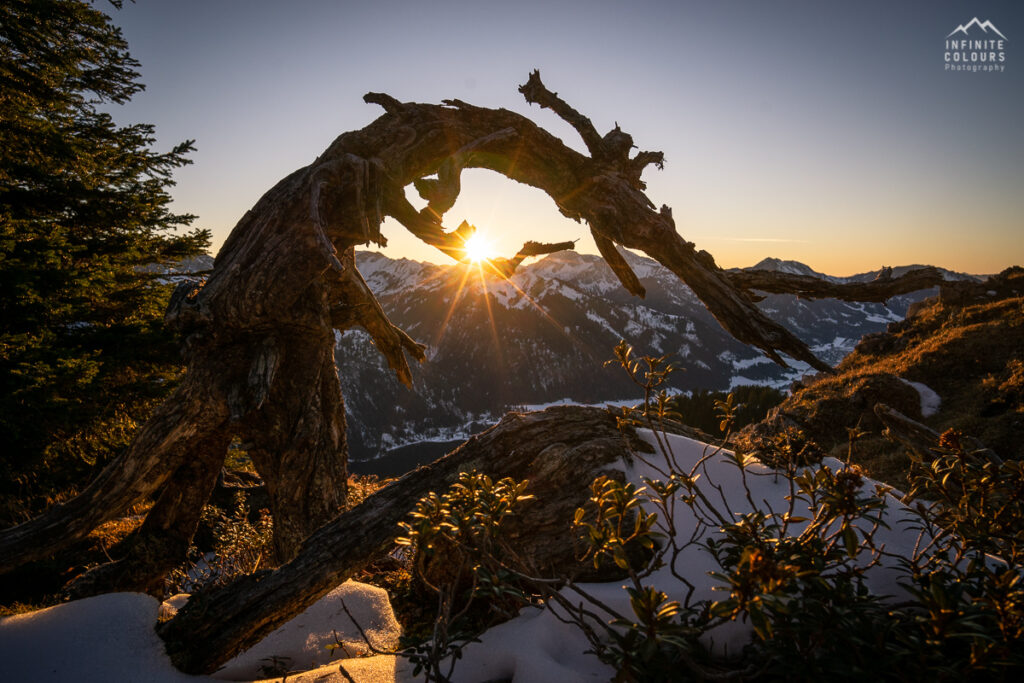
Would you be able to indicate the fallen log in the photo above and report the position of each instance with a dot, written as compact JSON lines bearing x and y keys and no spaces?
{"x":559,"y":451}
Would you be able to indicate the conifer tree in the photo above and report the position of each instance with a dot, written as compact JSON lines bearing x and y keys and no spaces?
{"x":84,"y":209}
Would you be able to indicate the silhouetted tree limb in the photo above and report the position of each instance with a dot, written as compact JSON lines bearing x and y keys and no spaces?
{"x":505,"y":267}
{"x":535,"y":93}
{"x":878,"y":290}
{"x":618,"y":264}
{"x":356,"y":305}
{"x":603,"y":189}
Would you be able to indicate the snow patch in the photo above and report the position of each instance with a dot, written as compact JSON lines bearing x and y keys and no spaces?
{"x":95,"y":640}
{"x":603,"y":323}
{"x":110,"y":638}
{"x":930,"y":401}
{"x":304,"y":640}
{"x":743,"y":363}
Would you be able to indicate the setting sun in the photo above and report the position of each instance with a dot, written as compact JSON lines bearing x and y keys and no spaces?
{"x":478,"y":248}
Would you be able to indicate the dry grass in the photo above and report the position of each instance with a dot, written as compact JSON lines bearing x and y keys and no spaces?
{"x":971,"y":356}
{"x":109,"y":534}
{"x":362,"y":486}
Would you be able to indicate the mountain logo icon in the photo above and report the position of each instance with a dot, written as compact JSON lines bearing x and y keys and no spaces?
{"x":985,"y":26}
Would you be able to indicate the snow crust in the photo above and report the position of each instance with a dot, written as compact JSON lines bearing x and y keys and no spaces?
{"x":95,"y":640}
{"x":111,"y":637}
{"x":304,"y":640}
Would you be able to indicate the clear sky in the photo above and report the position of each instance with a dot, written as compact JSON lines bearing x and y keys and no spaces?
{"x":826,"y":132}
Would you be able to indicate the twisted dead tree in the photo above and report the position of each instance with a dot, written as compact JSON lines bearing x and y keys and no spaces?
{"x":259,"y":333}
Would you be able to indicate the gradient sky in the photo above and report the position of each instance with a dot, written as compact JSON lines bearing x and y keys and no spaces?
{"x":826,"y":132}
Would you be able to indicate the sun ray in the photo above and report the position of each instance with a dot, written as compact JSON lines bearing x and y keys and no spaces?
{"x":529,"y":300}
{"x":480,"y":253}
{"x":490,"y":316}
{"x":451,"y":309}
{"x":582,"y":345}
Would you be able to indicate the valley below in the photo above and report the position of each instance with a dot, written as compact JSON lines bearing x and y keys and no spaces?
{"x":543,"y":336}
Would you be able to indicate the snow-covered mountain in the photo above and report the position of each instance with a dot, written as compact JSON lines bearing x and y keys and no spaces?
{"x":545,"y":335}
{"x":793,"y":268}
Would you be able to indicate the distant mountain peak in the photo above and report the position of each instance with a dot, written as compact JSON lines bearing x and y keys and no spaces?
{"x":791,"y":267}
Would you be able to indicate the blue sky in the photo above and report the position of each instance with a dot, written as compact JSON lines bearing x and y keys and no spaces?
{"x":825,"y":132}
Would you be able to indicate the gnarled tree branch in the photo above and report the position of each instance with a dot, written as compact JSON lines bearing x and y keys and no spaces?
{"x":505,"y":267}
{"x":535,"y":93}
{"x":879,"y":290}
{"x":356,"y":305}
{"x":618,"y":264}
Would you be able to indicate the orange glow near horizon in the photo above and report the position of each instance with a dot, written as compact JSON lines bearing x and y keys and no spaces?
{"x":478,"y":251}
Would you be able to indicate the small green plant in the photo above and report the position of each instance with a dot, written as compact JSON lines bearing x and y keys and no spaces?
{"x":459,"y":554}
{"x":702,"y":408}
{"x":620,"y":522}
{"x":649,"y":374}
{"x":275,"y":667}
{"x":974,"y":495}
{"x":239,"y":547}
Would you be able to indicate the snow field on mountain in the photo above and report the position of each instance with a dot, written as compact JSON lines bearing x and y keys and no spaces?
{"x":545,"y":334}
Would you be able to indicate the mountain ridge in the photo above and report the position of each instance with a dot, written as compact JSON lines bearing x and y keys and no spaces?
{"x":544,"y":335}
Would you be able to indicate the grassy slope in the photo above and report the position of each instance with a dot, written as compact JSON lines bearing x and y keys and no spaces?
{"x":971,"y":355}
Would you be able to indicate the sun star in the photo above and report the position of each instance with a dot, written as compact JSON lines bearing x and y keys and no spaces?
{"x":478,"y":248}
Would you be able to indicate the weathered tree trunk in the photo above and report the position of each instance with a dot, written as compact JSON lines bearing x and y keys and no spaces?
{"x":164,"y":537}
{"x":259,"y":332}
{"x":297,"y":439}
{"x":921,"y":439}
{"x":560,"y":451}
